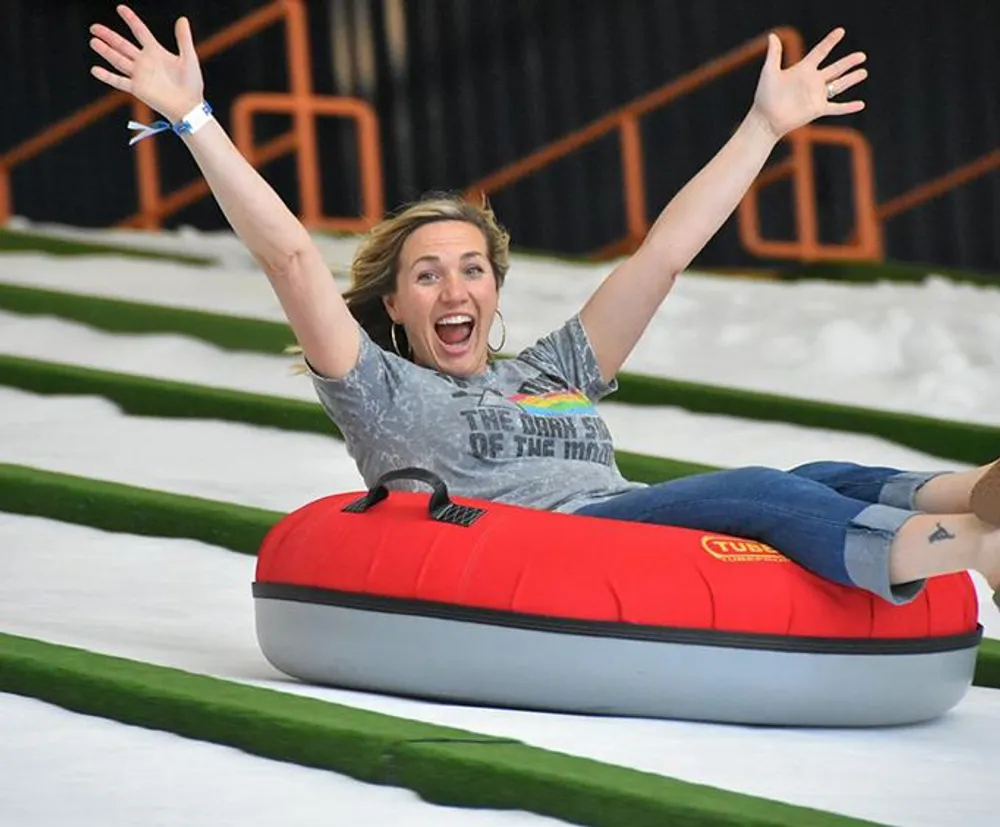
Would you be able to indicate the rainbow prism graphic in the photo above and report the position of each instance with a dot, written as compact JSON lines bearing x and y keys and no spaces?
{"x":554,"y":403}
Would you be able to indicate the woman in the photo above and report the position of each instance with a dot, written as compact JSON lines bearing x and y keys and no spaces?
{"x":413,"y":383}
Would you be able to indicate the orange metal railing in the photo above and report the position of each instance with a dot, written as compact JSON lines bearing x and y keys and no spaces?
{"x":930,"y":190}
{"x":369,"y":150}
{"x":798,"y":166}
{"x":300,"y":102}
{"x":865,"y":242}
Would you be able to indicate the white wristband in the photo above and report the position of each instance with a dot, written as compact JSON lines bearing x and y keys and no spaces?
{"x":193,"y":120}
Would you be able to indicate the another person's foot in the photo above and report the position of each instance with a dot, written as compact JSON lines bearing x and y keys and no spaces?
{"x":984,"y":500}
{"x":989,"y":562}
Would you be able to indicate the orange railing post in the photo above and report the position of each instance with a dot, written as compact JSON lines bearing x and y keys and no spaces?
{"x":363,"y":115}
{"x":866,"y":242}
{"x":6,"y":205}
{"x":144,"y":158}
{"x":147,"y":172}
{"x":303,"y":106}
{"x":800,"y":168}
{"x":154,"y":206}
{"x":626,"y":121}
{"x":300,"y":83}
{"x":633,"y":170}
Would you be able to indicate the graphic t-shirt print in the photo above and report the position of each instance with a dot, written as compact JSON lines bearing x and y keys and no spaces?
{"x":542,"y":419}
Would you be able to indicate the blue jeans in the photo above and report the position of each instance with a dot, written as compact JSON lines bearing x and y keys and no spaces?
{"x":835,"y":519}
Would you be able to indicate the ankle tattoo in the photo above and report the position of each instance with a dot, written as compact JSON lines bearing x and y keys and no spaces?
{"x":940,"y":533}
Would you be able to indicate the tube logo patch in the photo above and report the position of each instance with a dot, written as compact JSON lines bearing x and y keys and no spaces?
{"x":741,"y":551}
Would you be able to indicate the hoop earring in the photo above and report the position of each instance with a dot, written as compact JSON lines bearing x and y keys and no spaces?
{"x":395,"y":344}
{"x":503,"y":335}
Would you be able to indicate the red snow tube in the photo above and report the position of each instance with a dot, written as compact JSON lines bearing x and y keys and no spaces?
{"x":515,"y":559}
{"x":442,"y":572}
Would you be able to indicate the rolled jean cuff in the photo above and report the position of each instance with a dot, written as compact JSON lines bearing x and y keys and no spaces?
{"x":866,"y":553}
{"x":901,"y":489}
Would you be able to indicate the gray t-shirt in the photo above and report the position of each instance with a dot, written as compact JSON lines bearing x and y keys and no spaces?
{"x":525,"y":432}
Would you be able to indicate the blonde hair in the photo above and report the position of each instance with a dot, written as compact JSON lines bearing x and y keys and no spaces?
{"x":376,"y":261}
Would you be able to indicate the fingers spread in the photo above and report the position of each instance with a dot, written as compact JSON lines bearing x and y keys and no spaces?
{"x":846,"y":108}
{"x":112,"y":56}
{"x":822,"y":50}
{"x":185,"y":42}
{"x":111,"y":79}
{"x":841,"y":85}
{"x":835,"y":70}
{"x":115,"y":41}
{"x":136,"y":26}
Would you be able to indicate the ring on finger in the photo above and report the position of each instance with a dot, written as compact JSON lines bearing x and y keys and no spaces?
{"x":830,"y":91}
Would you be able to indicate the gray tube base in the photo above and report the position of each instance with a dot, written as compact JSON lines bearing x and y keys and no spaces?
{"x":457,"y":661}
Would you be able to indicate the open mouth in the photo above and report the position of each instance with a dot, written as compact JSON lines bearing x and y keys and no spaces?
{"x":456,"y":330}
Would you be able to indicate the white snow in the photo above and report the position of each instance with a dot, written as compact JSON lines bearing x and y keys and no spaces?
{"x":932,"y":348}
{"x":105,"y":774}
{"x":186,"y":605}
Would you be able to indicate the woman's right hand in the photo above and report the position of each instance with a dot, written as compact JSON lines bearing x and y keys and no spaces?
{"x":171,"y":84}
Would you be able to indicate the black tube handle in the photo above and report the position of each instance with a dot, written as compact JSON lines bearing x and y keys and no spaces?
{"x":378,"y":492}
{"x":440,"y":507}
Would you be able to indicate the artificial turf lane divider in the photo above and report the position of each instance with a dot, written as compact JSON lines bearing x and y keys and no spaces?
{"x":442,"y":765}
{"x":118,"y":316}
{"x":18,"y":241}
{"x":148,"y":396}
{"x":127,"y":509}
{"x":145,"y":396}
{"x":988,"y":664}
{"x":964,"y":442}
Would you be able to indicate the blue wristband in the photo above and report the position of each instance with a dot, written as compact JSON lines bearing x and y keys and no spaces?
{"x":193,"y":120}
{"x":188,"y":125}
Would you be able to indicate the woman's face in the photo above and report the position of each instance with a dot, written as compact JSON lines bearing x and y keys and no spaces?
{"x":446,"y":297}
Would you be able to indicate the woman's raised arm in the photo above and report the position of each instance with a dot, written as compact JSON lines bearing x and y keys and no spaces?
{"x":172,"y":85}
{"x":617,"y":314}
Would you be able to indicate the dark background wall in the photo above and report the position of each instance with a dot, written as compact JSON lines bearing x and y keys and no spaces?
{"x":465,"y":86}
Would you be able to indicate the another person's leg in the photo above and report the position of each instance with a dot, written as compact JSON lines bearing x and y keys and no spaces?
{"x":881,"y":548}
{"x":942,"y":492}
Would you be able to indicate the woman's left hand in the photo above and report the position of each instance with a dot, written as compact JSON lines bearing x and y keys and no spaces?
{"x":789,"y":98}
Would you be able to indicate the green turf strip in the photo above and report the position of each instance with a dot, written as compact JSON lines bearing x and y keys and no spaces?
{"x":144,"y":396}
{"x":442,"y":765}
{"x":117,"y":316}
{"x":18,"y":241}
{"x":963,"y":442}
{"x":861,"y":272}
{"x":853,"y":272}
{"x":128,"y":509}
{"x":988,"y":664}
